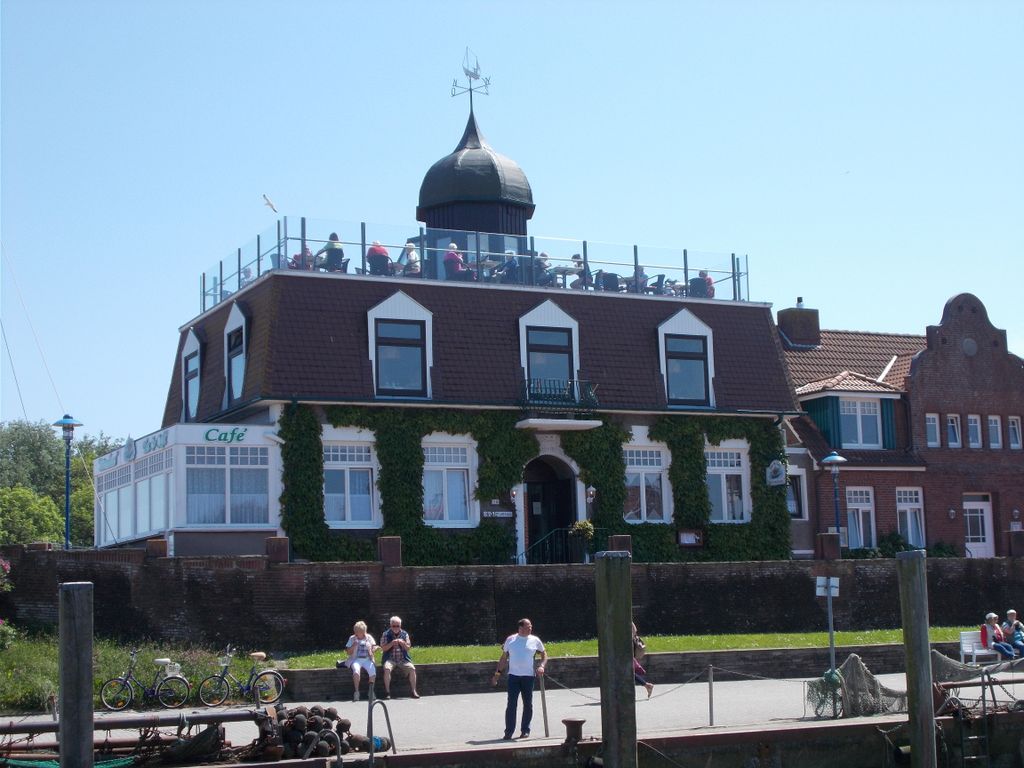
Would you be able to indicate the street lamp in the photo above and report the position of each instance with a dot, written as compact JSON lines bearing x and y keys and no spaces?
{"x":832,"y":461}
{"x":67,"y":425}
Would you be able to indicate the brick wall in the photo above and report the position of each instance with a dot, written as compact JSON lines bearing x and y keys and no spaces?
{"x":303,"y":606}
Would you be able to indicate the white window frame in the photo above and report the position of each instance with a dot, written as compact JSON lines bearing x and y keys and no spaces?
{"x":797,"y":476}
{"x":861,"y":407}
{"x":649,"y":460}
{"x":190,"y":348}
{"x":549,"y":315}
{"x":932,"y":435}
{"x":685,"y":323}
{"x":226,"y":459}
{"x":154,"y":481}
{"x":860,"y":504}
{"x":113,"y":488}
{"x":399,"y":306}
{"x":236,"y":322}
{"x":443,"y":441}
{"x":1014,"y":437}
{"x":910,"y":502}
{"x":995,"y":429}
{"x":953,"y":423}
{"x":716,"y":474}
{"x":348,"y":456}
{"x":973,"y":430}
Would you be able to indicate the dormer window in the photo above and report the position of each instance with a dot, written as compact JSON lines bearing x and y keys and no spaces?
{"x":401,"y":358}
{"x":687,"y":356}
{"x":549,"y":350}
{"x":235,"y":346}
{"x":191,"y":365}
{"x":860,"y":423}
{"x":401,"y":347}
{"x":549,"y":354}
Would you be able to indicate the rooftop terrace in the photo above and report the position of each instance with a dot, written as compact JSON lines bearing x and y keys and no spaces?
{"x":544,"y":262}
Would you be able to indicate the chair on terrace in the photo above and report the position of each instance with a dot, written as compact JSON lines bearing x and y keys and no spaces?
{"x":608,"y":281}
{"x":379,"y":264}
{"x":658,"y":288}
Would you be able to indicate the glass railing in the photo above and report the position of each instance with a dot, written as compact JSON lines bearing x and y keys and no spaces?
{"x":387,"y":250}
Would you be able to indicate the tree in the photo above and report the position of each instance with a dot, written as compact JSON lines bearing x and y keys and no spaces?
{"x":26,"y":516}
{"x":32,"y":456}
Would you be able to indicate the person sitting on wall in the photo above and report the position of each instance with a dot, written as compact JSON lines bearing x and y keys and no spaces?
{"x":992,"y":637}
{"x":333,"y":255}
{"x":394,"y":645}
{"x":455,"y":268}
{"x":360,"y":649}
{"x":1013,"y":632}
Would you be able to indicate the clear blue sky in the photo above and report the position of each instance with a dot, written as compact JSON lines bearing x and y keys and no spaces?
{"x":867,"y":156}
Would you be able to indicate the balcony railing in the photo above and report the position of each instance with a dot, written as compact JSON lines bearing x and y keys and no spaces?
{"x":559,"y":395}
{"x":562,"y":546}
{"x":542,"y":262}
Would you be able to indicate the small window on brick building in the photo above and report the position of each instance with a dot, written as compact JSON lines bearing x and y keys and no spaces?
{"x":931,"y":430}
{"x":995,"y":432}
{"x":953,"y":439}
{"x":1013,"y":432}
{"x":973,"y":430}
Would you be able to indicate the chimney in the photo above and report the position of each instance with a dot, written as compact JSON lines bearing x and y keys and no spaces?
{"x":799,"y":325}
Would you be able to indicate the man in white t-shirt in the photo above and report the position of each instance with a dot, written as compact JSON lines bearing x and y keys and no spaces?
{"x":517,"y":655}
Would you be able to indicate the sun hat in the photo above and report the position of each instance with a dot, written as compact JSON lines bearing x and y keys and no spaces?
{"x":990,"y":616}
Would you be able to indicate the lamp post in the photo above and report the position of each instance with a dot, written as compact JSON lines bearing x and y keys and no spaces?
{"x":832,"y":461}
{"x":67,"y":425}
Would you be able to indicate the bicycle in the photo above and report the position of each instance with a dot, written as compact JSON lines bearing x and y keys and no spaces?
{"x":168,"y":686}
{"x":263,"y":686}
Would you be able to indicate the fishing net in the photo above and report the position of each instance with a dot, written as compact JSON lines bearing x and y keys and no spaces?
{"x":852,"y":691}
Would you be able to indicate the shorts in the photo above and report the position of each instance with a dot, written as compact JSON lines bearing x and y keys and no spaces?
{"x":405,"y":667}
{"x":359,"y":664}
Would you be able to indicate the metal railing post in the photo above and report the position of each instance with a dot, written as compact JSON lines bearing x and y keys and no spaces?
{"x":477,"y":234}
{"x":202,"y":291}
{"x":735,"y":278}
{"x":238,"y":273}
{"x":280,"y":240}
{"x":259,"y":256}
{"x":686,"y":268}
{"x":636,"y":269}
{"x":533,"y":262}
{"x":362,"y":240}
{"x":302,"y":244}
{"x":220,"y":281}
{"x":711,"y":695}
{"x":586,"y":267}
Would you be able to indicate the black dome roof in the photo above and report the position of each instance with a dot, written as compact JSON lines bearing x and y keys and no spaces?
{"x":474,"y":172}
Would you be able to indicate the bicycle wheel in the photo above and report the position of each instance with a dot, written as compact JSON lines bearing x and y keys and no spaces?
{"x":173,"y":692}
{"x":117,"y":694}
{"x":214,"y":690}
{"x":268,"y":687}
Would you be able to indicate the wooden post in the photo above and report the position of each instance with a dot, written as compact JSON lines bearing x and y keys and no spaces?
{"x":76,"y":719}
{"x":913,"y":580}
{"x":615,"y":658}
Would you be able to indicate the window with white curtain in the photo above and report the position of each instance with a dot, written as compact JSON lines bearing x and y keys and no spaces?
{"x":728,"y":479}
{"x":860,"y":423}
{"x":974,"y":431}
{"x":860,"y":518}
{"x":349,"y":486}
{"x":995,"y":432}
{"x":910,"y":516}
{"x":250,"y":500}
{"x":646,"y":485}
{"x":447,"y":485}
{"x":226,"y":485}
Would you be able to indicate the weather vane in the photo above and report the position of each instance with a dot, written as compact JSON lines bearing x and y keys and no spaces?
{"x":472,"y":76}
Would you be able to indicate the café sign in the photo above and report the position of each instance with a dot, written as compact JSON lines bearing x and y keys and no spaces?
{"x":236,"y":435}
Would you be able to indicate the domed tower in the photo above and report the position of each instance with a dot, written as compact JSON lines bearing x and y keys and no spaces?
{"x":476,"y":189}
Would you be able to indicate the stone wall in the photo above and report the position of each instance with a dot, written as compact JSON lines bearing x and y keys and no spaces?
{"x":251,"y":602}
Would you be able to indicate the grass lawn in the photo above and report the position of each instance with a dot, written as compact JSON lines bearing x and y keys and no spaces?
{"x":28,"y":669}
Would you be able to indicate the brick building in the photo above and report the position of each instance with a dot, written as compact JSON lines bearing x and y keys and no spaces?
{"x":930,"y":427}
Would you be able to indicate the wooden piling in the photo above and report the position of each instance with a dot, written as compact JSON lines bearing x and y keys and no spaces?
{"x":913,"y":580}
{"x":75,"y":663}
{"x":615,"y":658}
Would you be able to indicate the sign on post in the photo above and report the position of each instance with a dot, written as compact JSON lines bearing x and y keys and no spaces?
{"x":827,"y":586}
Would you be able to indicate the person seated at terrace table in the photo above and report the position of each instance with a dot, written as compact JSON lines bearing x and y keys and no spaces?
{"x":409,"y":260}
{"x":542,"y":274}
{"x":378,"y":260}
{"x":454,"y":266}
{"x":585,"y":280}
{"x":710,"y":282}
{"x":333,"y":255}
{"x":508,"y":272}
{"x":302,"y":260}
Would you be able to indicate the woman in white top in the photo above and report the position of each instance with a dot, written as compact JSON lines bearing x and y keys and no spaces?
{"x":360,"y":648}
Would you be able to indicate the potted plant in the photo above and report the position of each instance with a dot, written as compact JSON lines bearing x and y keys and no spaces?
{"x":581,"y":533}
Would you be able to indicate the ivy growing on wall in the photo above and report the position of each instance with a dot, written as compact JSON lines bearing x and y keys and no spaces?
{"x":502,"y":452}
{"x":302,"y":501}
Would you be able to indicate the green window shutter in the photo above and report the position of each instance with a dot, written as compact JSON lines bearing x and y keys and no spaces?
{"x":824,"y":412}
{"x":888,"y":424}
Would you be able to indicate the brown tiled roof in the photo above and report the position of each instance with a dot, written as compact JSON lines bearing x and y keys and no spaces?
{"x":309,"y":338}
{"x":857,"y":351}
{"x":899,"y":371}
{"x":846,"y":381}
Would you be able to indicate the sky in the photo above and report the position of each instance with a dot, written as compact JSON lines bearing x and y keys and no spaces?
{"x":866,"y":156}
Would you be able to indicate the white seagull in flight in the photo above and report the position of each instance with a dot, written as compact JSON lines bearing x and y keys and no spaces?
{"x":269,"y":203}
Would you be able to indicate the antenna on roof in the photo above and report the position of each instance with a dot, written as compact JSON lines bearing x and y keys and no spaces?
{"x":472,"y":75}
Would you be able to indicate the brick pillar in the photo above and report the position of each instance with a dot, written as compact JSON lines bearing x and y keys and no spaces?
{"x":827,"y":546}
{"x":156,"y":547}
{"x":620,"y":543}
{"x":277,"y":549}
{"x":389,"y":550}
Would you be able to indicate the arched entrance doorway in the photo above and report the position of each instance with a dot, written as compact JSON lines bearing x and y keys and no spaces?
{"x":549,"y":509}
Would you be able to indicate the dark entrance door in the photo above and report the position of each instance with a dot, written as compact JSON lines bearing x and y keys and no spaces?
{"x":549,"y":511}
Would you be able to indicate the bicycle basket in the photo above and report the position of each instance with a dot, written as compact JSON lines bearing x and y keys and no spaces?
{"x":224,"y":661}
{"x":174,"y":668}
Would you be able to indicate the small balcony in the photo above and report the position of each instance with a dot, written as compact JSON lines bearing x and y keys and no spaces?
{"x":549,"y":396}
